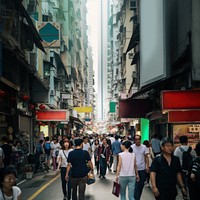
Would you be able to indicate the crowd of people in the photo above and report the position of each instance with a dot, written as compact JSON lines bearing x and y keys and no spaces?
{"x":155,"y":163}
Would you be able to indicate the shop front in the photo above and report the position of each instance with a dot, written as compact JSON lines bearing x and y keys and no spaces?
{"x":183,"y":114}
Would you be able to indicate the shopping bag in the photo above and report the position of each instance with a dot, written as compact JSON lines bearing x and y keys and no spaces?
{"x":90,"y":179}
{"x":116,"y":189}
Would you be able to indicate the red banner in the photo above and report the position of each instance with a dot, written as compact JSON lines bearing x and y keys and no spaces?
{"x":180,"y":100}
{"x":184,"y":116}
{"x":53,"y":115}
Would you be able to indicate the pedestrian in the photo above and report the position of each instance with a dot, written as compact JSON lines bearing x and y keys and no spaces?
{"x":8,"y":190}
{"x":95,"y":147}
{"x":116,"y":149}
{"x":142,"y":162}
{"x":155,"y":143}
{"x":55,"y":146}
{"x":86,"y":145}
{"x":103,"y":156}
{"x":47,"y":150}
{"x":77,"y":160}
{"x":38,"y":151}
{"x":151,"y":157}
{"x":62,"y":167}
{"x":194,"y":175}
{"x":127,"y":172}
{"x":7,"y":149}
{"x":166,"y":172}
{"x":111,"y":154}
{"x":185,"y":154}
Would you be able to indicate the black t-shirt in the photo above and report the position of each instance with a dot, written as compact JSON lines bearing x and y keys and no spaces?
{"x":166,"y":175}
{"x":78,"y":159}
{"x":7,"y":149}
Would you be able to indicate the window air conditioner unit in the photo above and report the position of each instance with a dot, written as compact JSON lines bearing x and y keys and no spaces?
{"x":133,"y":4}
{"x":52,"y":92}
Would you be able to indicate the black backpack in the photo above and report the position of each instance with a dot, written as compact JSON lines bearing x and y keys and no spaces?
{"x":186,"y":158}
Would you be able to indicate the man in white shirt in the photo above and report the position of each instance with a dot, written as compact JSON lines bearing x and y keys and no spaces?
{"x":184,"y":147}
{"x":142,"y":162}
{"x":86,"y":145}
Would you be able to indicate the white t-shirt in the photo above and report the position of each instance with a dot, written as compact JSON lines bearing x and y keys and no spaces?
{"x":64,"y":157}
{"x":127,"y":168}
{"x":140,"y":152}
{"x":16,"y":193}
{"x":55,"y":147}
{"x":86,"y":146}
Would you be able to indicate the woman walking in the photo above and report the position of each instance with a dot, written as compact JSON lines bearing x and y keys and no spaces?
{"x":55,"y":146}
{"x":127,"y":173}
{"x":95,"y":147}
{"x":62,"y":162}
{"x":8,"y":190}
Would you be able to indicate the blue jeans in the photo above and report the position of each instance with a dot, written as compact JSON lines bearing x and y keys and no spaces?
{"x":65,"y":183}
{"x":125,"y":181}
{"x":103,"y":166}
{"x":140,"y":185}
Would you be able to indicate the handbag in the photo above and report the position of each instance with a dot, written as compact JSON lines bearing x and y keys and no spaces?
{"x":90,"y":179}
{"x":116,"y":189}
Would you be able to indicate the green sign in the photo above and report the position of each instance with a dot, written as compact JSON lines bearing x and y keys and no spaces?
{"x":112,"y":107}
{"x":144,"y":129}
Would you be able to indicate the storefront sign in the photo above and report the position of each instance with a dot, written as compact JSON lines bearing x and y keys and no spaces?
{"x":9,"y":83}
{"x":184,"y":116}
{"x":53,"y":115}
{"x":180,"y":100}
{"x":85,"y":109}
{"x":134,"y":108}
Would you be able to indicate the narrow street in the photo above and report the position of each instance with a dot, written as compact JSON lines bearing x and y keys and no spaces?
{"x":41,"y":187}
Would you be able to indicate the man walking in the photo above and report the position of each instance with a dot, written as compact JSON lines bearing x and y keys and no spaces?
{"x":77,"y":160}
{"x":116,"y":149}
{"x":142,"y":163}
{"x":185,"y":154}
{"x":166,"y":172}
{"x":155,"y":144}
{"x":103,"y":156}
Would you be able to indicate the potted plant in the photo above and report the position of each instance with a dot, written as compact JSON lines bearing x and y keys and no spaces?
{"x":28,"y":171}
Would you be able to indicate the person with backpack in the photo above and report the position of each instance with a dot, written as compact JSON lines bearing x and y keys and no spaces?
{"x":185,"y":154}
{"x":47,"y":150}
{"x":194,"y":175}
{"x":166,"y":173}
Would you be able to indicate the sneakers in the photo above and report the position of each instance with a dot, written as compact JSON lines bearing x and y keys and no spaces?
{"x":65,"y":197}
{"x":104,"y":177}
{"x":100,"y":176}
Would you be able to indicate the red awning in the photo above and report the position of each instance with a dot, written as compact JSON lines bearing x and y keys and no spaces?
{"x":53,"y":115}
{"x":184,"y":116}
{"x":173,"y":100}
{"x":134,"y":108}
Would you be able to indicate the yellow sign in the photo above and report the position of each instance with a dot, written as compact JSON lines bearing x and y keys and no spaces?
{"x":85,"y":109}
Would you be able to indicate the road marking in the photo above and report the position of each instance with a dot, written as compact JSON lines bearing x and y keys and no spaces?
{"x":42,"y":188}
{"x":21,"y":182}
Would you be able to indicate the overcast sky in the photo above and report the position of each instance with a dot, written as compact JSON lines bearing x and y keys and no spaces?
{"x":93,"y":16}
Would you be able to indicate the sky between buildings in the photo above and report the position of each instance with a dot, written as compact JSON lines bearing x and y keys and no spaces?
{"x":93,"y":20}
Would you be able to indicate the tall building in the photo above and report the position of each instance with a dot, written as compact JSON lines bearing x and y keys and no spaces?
{"x":103,"y":98}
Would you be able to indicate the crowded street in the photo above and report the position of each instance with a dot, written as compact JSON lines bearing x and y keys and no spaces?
{"x":101,"y":189}
{"x":99,"y":99}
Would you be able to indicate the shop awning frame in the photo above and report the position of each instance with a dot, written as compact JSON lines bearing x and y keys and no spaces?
{"x":76,"y":120}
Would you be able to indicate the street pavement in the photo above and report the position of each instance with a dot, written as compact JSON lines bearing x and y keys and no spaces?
{"x":48,"y":186}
